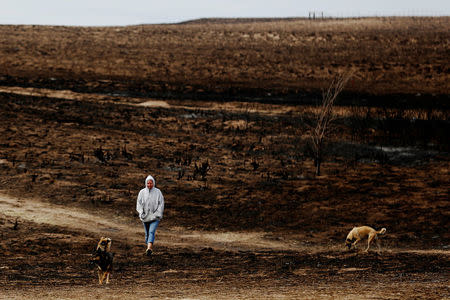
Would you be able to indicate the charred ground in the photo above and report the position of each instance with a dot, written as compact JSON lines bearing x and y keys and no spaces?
{"x":230,"y":166}
{"x":42,"y":261}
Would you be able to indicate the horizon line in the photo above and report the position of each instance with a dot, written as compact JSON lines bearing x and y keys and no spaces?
{"x":193,"y":20}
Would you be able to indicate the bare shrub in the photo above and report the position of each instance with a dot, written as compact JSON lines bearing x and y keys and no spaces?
{"x":99,"y":154}
{"x":201,"y":170}
{"x":325,"y":116}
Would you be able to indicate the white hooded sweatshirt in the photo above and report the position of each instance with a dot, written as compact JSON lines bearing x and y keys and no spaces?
{"x":150,"y":203}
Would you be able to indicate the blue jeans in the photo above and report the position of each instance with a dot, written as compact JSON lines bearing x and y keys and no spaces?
{"x":150,"y":229}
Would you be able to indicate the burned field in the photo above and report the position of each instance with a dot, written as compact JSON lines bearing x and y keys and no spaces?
{"x":221,"y":170}
{"x":272,"y":59}
{"x":224,"y":167}
{"x":48,"y":262}
{"x":236,"y":169}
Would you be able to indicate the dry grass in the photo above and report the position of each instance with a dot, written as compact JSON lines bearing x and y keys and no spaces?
{"x":386,"y":55}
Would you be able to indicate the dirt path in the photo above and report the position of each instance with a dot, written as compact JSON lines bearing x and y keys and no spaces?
{"x":236,"y":107}
{"x":238,"y":265}
{"x":80,"y":220}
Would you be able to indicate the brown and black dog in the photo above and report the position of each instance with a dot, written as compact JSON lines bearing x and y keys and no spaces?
{"x":358,"y":233}
{"x":103,"y":258}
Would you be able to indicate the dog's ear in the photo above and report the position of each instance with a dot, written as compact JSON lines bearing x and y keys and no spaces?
{"x":348,"y":243}
{"x":108,"y":244}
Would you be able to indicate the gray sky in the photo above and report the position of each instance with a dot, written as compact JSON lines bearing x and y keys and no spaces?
{"x":129,"y":12}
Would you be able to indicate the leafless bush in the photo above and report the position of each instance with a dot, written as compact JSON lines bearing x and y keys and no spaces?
{"x":255,"y":165}
{"x":126,"y":154}
{"x":99,"y":154}
{"x":325,"y":117}
{"x":201,"y":170}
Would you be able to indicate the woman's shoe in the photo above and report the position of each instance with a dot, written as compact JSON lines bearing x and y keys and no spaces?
{"x":148,"y":252}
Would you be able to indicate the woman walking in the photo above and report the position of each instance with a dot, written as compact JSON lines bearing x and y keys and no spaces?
{"x":150,"y":206}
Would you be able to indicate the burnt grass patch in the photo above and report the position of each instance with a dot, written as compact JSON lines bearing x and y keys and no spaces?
{"x":231,"y":170}
{"x":44,"y":255}
{"x":386,"y":162}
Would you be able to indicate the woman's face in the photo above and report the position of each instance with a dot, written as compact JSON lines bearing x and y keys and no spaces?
{"x":150,"y":184}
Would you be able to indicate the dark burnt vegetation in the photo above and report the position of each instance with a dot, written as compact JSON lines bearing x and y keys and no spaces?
{"x":237,"y":169}
{"x":401,"y":127}
{"x":248,"y":165}
{"x":227,"y":166}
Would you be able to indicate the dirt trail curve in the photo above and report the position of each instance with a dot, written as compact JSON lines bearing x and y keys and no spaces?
{"x":80,"y":220}
{"x":148,"y":102}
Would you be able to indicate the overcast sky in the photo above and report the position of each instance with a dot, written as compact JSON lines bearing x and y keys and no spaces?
{"x":130,"y":12}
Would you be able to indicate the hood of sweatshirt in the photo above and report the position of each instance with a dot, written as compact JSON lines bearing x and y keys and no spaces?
{"x":149,"y":177}
{"x":150,"y":202}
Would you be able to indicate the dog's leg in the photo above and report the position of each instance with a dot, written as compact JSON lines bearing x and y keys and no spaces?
{"x":377,"y":241}
{"x":369,"y":240}
{"x":99,"y":272}
{"x":355,"y":242}
{"x":107,"y":277}
{"x":104,"y":276}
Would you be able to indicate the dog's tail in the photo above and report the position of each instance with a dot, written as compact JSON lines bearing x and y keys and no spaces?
{"x":382,"y":231}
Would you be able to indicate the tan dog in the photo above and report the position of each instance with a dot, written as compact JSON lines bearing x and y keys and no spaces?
{"x":358,"y":233}
{"x":103,"y":259}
